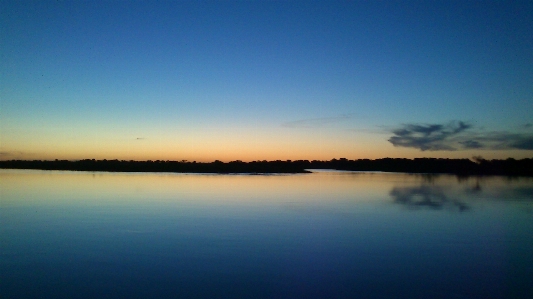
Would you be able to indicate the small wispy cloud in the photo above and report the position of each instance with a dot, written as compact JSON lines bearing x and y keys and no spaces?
{"x":12,"y":154}
{"x":140,"y":138}
{"x":457,"y":135}
{"x":316,"y":122}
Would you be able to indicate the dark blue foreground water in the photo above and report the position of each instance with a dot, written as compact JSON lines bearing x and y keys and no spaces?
{"x":320,"y":235}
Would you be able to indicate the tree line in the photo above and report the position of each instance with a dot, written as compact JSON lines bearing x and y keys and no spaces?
{"x":476,"y":166}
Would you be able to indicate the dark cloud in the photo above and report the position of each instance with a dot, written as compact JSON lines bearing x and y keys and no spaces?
{"x":523,"y":143}
{"x":457,"y":136}
{"x":431,"y":137}
{"x":316,"y":122}
{"x":468,"y":144}
{"x":506,"y":140}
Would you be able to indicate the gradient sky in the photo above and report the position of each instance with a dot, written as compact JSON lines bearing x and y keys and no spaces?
{"x":258,"y":80}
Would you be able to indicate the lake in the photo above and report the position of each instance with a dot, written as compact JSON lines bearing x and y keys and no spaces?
{"x":327,"y":234}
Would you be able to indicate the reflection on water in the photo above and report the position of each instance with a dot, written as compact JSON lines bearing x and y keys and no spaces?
{"x":325,"y":234}
{"x":436,"y":191}
{"x":425,"y":196}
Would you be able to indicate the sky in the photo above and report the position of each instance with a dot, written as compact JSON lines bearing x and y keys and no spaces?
{"x":265,"y":80}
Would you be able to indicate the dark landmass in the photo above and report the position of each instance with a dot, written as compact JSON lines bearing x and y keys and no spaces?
{"x":158,"y":166}
{"x":478,"y":166}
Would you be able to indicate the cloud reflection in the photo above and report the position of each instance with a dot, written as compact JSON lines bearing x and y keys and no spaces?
{"x":425,"y":196}
{"x":524,"y":194}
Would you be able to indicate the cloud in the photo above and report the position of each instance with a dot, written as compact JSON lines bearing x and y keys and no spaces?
{"x":140,"y":138}
{"x":470,"y":144}
{"x":457,"y":135}
{"x":523,"y":143}
{"x":316,"y":122}
{"x":12,"y":154}
{"x":431,"y":137}
{"x":506,"y":140}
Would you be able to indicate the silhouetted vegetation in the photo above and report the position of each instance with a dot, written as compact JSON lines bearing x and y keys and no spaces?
{"x":157,"y":166}
{"x":478,"y":166}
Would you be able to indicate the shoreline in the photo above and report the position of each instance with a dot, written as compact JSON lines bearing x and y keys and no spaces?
{"x":460,"y":167}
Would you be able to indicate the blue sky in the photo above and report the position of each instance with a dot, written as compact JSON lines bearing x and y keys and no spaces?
{"x":177,"y":80}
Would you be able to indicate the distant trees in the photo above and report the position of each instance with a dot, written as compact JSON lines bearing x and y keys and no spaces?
{"x":477,"y":166}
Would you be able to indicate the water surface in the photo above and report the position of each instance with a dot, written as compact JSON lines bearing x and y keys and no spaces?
{"x":320,"y":235}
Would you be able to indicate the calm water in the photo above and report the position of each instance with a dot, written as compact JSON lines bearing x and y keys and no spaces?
{"x":320,"y":235}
